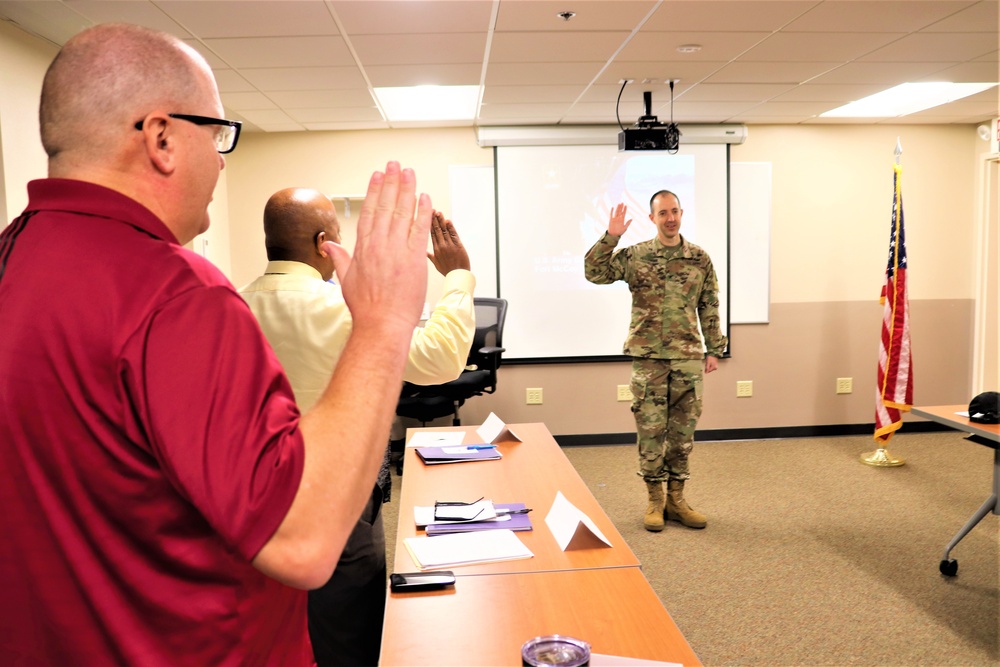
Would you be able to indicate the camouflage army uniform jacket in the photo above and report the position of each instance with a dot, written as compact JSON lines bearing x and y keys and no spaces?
{"x":669,"y":296}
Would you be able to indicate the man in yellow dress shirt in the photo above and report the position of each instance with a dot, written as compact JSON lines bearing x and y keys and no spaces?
{"x":307,"y":323}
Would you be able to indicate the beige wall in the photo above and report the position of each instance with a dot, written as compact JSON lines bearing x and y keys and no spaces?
{"x":832,"y":198}
{"x":334,"y":163}
{"x":25,"y":59}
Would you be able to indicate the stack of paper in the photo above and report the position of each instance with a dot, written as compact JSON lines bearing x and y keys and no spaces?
{"x":436,"y":455}
{"x":459,"y":549}
{"x":514,"y":522}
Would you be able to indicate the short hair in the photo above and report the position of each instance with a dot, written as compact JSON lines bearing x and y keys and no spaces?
{"x":664,"y":192}
{"x":292,"y":220}
{"x":107,"y":78}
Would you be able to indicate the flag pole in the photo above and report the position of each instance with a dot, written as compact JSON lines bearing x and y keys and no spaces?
{"x":881,"y":456}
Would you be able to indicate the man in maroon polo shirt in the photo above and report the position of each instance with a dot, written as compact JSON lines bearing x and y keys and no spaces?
{"x":164,"y":503}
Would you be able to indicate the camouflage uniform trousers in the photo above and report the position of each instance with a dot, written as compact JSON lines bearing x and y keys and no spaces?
{"x":666,"y":403}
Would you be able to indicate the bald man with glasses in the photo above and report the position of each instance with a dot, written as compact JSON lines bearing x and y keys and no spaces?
{"x":164,"y":501}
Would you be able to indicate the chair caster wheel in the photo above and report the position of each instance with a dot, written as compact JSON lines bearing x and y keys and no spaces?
{"x":949,"y":568}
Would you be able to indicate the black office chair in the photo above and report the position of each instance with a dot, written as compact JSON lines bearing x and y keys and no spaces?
{"x":427,"y":403}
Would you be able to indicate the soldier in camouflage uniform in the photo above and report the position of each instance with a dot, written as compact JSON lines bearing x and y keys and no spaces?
{"x":674,"y":288}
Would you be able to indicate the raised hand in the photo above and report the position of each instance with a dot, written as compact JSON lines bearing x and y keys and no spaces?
{"x":385,"y":283}
{"x":618,"y":225}
{"x":448,"y":252}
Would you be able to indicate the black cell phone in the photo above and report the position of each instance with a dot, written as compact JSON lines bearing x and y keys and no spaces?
{"x":402,"y":582}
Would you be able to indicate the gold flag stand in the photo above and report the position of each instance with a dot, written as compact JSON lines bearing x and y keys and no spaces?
{"x":881,"y":458}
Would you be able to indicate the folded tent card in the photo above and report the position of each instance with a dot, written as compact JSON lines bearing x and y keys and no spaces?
{"x":571,"y":527}
{"x":493,"y":428}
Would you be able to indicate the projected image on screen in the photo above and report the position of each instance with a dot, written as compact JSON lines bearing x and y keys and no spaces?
{"x":553,"y":204}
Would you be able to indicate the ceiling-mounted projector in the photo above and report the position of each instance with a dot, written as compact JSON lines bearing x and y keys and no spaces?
{"x":648,"y":133}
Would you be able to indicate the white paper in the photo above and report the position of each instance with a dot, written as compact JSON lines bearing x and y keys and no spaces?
{"x":488,"y":546}
{"x":462,"y":449}
{"x":493,"y":428}
{"x":565,"y":519}
{"x":436,"y":439}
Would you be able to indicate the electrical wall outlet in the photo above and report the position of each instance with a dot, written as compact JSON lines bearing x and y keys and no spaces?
{"x":845,"y":385}
{"x":533,"y":396}
{"x":624,"y":392}
{"x":744,"y":388}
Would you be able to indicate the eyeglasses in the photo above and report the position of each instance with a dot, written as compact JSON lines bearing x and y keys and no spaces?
{"x":225,"y":138}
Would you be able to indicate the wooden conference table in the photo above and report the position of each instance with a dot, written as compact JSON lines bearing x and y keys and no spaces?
{"x":596,"y":594}
{"x":983,"y":434}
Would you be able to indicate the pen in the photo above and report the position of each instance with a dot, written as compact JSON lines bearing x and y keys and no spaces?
{"x":524,"y":511}
{"x":481,"y":447}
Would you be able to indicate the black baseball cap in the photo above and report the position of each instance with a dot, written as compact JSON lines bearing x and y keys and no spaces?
{"x":985,"y":408}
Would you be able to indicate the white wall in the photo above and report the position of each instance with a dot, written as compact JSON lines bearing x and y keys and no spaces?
{"x":25,"y":59}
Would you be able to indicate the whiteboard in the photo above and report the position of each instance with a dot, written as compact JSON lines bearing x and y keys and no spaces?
{"x":750,"y":242}
{"x":473,"y":200}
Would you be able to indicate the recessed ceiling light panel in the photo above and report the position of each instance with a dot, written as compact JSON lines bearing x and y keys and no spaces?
{"x":428,"y":103}
{"x":906,"y":98}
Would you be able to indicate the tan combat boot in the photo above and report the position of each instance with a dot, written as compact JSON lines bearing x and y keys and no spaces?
{"x":677,"y":508}
{"x":653,"y":521}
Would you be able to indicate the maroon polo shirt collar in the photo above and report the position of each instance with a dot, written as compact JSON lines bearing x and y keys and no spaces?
{"x":82,"y":197}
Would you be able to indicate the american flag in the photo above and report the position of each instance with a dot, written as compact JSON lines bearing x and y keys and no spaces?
{"x":895,"y":369}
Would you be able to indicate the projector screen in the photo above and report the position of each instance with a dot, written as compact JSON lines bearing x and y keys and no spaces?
{"x":553,"y":204}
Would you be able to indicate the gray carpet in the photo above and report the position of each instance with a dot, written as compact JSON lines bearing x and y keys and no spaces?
{"x":812,"y":558}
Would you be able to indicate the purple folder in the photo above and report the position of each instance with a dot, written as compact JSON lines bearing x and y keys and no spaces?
{"x":437,"y":455}
{"x":516,"y":522}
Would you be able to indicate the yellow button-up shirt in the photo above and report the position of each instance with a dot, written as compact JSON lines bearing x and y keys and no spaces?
{"x":307,"y":322}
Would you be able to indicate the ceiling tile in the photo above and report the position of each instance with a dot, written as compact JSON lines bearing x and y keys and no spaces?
{"x":230,"y":81}
{"x":305,"y":51}
{"x":971,"y":72}
{"x":931,"y":47}
{"x":662,"y":70}
{"x":590,"y":16}
{"x":780,"y":72}
{"x":420,"y":49}
{"x":467,"y":74}
{"x":362,"y":114}
{"x":426,"y":17}
{"x":979,"y":17}
{"x":871,"y":16}
{"x":535,"y":94}
{"x":554,"y":47}
{"x":261,"y":18}
{"x":51,"y":20}
{"x":140,"y":13}
{"x":352,"y":125}
{"x":761,"y":60}
{"x":265,"y":117}
{"x":725,"y":16}
{"x":889,"y":74}
{"x":715,"y":46}
{"x":728,"y":92}
{"x":244,"y":102}
{"x":303,"y":78}
{"x":495,"y":111}
{"x":513,"y":74}
{"x":839,"y":46}
{"x":316,"y":99}
{"x":829,"y":92}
